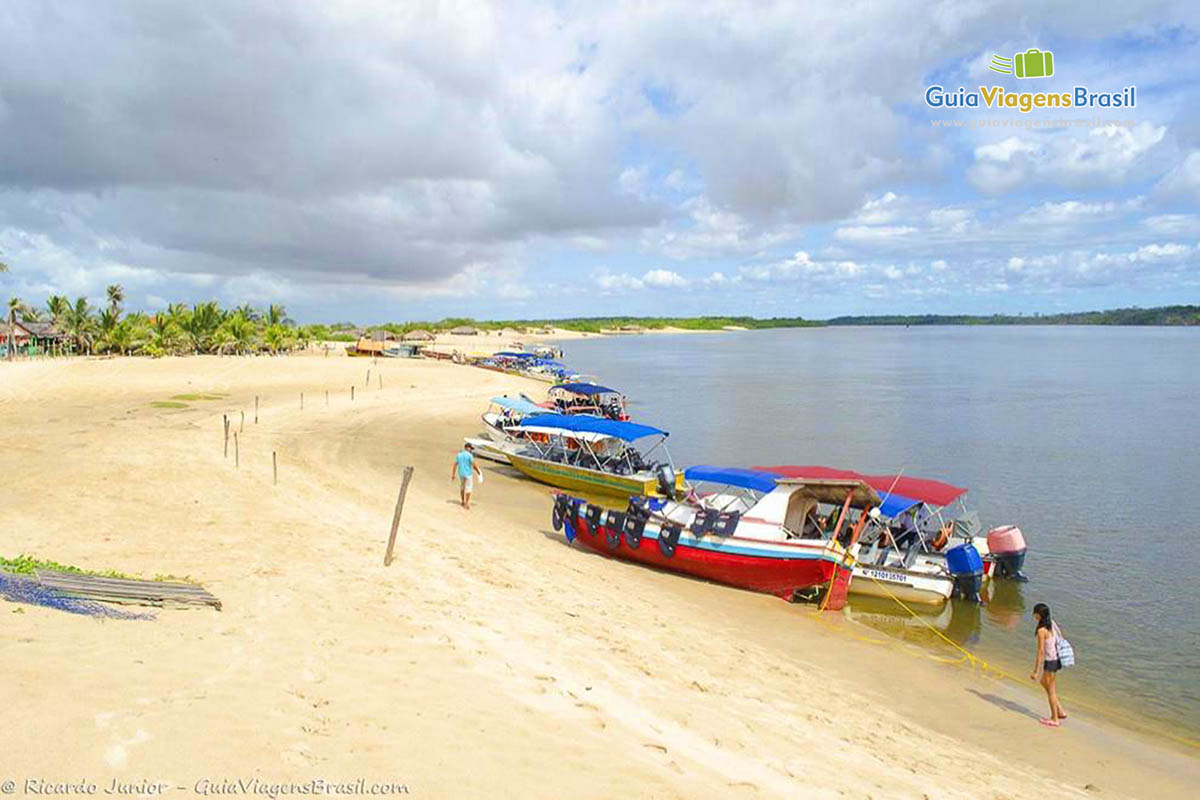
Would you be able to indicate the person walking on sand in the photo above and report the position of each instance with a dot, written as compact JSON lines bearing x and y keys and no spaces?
{"x":465,"y":469}
{"x":1047,"y":664}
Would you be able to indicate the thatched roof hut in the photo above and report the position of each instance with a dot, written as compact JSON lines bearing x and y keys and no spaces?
{"x":380,"y":335}
{"x":465,"y":330}
{"x":418,"y":335}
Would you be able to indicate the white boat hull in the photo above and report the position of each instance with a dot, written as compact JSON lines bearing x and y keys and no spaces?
{"x":488,"y":449}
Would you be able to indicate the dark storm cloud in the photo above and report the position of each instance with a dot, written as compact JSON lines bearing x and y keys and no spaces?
{"x":387,"y":141}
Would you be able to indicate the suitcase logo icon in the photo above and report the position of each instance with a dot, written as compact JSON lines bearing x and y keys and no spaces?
{"x":1033,"y":63}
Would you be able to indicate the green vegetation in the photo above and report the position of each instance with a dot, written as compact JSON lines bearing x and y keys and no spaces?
{"x":1163,"y":315}
{"x":201,"y":396}
{"x":207,"y":328}
{"x":177,"y":330}
{"x":168,"y":404}
{"x":28,"y":565}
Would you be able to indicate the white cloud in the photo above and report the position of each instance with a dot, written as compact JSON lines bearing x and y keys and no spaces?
{"x":873,"y":232}
{"x":1105,"y":156}
{"x":664,"y":279}
{"x":1182,"y":182}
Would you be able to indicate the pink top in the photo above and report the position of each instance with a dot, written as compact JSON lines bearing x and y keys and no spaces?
{"x":1050,"y":649}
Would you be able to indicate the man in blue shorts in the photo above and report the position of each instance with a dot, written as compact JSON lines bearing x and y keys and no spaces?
{"x":465,"y":469}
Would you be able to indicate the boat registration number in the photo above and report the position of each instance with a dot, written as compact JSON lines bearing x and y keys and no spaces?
{"x":884,"y":576}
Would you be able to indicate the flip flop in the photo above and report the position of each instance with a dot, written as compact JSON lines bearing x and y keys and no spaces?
{"x":1049,"y":723}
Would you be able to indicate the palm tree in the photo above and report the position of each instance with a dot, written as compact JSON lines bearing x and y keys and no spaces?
{"x":276,"y":315}
{"x":57,"y":305}
{"x":78,"y":323}
{"x":14,"y":303}
{"x":116,"y":296}
{"x":277,"y":338}
{"x":248,"y":311}
{"x":107,"y":319}
{"x":236,"y":332}
{"x":201,"y":324}
{"x":30,"y":313}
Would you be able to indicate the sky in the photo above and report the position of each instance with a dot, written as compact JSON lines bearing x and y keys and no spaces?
{"x":384,"y":161}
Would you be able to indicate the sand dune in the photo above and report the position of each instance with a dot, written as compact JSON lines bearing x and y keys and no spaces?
{"x":490,"y":659}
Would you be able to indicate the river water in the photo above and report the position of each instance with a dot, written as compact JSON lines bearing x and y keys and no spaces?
{"x":1088,"y":438}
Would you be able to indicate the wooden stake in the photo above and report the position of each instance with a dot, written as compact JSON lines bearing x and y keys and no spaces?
{"x":255,"y":409}
{"x":380,"y":376}
{"x":274,"y":469}
{"x":302,"y":401}
{"x":387,"y":557}
{"x":351,"y":392}
{"x":367,"y":382}
{"x":237,"y":458}
{"x":242,"y":426}
{"x":327,"y":398}
{"x":225,"y":420}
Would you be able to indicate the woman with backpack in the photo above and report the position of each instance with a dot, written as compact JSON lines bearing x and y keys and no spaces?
{"x":1051,"y":649}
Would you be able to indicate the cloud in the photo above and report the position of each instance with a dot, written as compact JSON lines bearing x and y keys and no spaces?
{"x":1182,"y":182}
{"x":664,"y":279}
{"x":873,"y":232}
{"x":1104,"y":156}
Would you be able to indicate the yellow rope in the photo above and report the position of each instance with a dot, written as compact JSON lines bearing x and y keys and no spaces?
{"x":976,"y":662}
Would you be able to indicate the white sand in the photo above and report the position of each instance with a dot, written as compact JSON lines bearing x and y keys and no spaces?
{"x":490,"y":659}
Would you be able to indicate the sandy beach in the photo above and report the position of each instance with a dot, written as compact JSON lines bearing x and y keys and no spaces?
{"x":489,"y":660}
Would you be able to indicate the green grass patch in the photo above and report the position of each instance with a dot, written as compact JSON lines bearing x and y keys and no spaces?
{"x":28,"y":565}
{"x":198,"y":396}
{"x":168,"y":404}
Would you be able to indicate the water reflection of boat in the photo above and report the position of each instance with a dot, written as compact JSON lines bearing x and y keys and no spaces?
{"x":1005,"y":604}
{"x":958,"y":620}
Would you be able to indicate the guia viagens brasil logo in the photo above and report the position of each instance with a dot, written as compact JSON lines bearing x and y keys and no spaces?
{"x":1033,"y":63}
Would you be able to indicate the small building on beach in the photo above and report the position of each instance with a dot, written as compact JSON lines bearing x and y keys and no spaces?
{"x":417,"y":335}
{"x":465,"y":330}
{"x":31,"y":338}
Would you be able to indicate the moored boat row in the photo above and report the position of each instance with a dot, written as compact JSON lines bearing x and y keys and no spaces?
{"x":793,"y":531}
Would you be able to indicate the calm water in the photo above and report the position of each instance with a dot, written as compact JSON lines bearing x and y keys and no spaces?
{"x":1086,"y":437}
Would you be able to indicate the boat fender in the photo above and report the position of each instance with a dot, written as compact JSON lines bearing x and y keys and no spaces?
{"x":634,"y":525}
{"x":668,"y":538}
{"x":612,"y":536}
{"x":726,"y":524}
{"x":559,"y":512}
{"x":702,"y":523}
{"x":593,"y":515}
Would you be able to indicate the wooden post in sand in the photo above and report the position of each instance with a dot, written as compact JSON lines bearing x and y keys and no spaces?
{"x":302,"y":401}
{"x":255,"y":409}
{"x":387,"y":557}
{"x":242,"y":425}
{"x":351,"y":392}
{"x":237,"y":458}
{"x":327,"y":398}
{"x":274,"y":469}
{"x":380,"y":376}
{"x":367,"y":382}
{"x":225,"y":421}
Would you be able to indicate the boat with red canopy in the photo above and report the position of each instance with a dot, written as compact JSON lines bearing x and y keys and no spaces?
{"x":919,"y":510}
{"x":751,"y":530}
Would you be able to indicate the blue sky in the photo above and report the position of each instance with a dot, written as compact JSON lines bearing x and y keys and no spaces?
{"x":373,"y":161}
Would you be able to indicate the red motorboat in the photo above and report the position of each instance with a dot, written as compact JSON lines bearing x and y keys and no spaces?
{"x":792,"y":538}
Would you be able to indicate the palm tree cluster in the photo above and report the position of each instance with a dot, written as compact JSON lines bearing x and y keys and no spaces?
{"x":178,"y":330}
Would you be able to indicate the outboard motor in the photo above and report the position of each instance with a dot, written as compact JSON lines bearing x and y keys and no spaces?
{"x":1007,"y":546}
{"x":966,"y":568}
{"x":666,"y":480}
